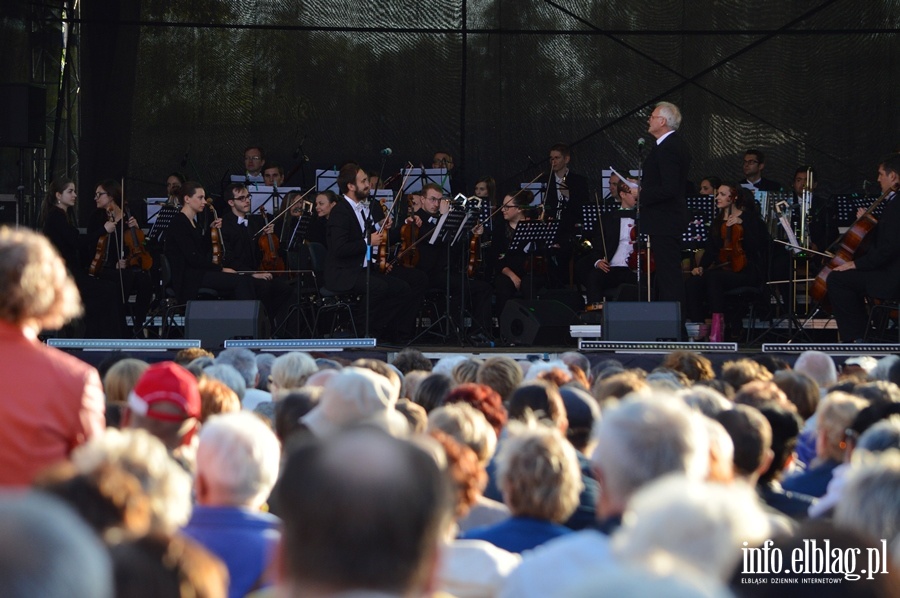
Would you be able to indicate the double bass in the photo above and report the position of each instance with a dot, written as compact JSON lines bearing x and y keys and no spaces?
{"x":851,"y":243}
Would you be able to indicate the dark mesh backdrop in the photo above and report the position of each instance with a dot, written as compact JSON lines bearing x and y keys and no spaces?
{"x":497,"y":82}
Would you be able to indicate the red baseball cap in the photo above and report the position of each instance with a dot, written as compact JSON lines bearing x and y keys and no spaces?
{"x":166,"y":382}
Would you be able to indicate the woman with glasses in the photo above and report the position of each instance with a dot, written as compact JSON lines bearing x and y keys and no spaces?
{"x":516,"y":268}
{"x":107,"y":230}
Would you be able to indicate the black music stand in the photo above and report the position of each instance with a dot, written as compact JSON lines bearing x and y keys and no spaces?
{"x":848,"y":205}
{"x":448,"y":231}
{"x":702,"y":212}
{"x":537,"y":234}
{"x":163,"y":218}
{"x":326,"y":180}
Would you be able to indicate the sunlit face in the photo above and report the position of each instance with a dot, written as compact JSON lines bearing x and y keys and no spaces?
{"x":172,"y":185}
{"x":706,"y":188}
{"x":558,"y":161}
{"x":323,"y":206}
{"x":240,"y":204}
{"x":626,"y":198}
{"x":102,"y":198}
{"x":197,"y":201}
{"x":481,"y":189}
{"x":431,"y":203}
{"x":442,"y":160}
{"x":752,"y":166}
{"x":360,"y":189}
{"x":272,"y":177}
{"x":887,"y":180}
{"x":374,"y":182}
{"x":724,"y":198}
{"x":656,"y":123}
{"x":67,"y":198}
{"x":253,"y":161}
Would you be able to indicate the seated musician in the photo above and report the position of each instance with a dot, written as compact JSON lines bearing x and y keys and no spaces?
{"x":241,"y":236}
{"x":350,"y":234}
{"x":737,"y":229}
{"x":108,"y":232}
{"x":519,"y":275}
{"x":192,"y":255}
{"x":607,"y":265}
{"x":433,"y":260}
{"x":874,"y":273}
{"x":324,"y":203}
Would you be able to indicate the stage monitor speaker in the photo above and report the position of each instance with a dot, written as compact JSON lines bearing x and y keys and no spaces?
{"x":641,"y":321}
{"x":23,"y":115}
{"x":214,"y":322}
{"x":537,"y":322}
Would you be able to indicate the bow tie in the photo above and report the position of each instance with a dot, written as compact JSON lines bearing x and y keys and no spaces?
{"x":242,"y":221}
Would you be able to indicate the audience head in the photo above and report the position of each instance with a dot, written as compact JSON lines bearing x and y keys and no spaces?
{"x":582,"y":415}
{"x":186,"y":356}
{"x":356,"y":396}
{"x":870,"y":503}
{"x":291,"y":370}
{"x":237,"y":461}
{"x":264,"y":363}
{"x":368,"y":512}
{"x":818,"y":366}
{"x":432,"y":392}
{"x":121,"y":378}
{"x":215,"y":398}
{"x":502,"y":374}
{"x":752,"y":436}
{"x":835,"y":414}
{"x":36,"y":290}
{"x":46,"y":550}
{"x":410,"y":359}
{"x":541,"y":399}
{"x":800,"y":389}
{"x":165,"y":402}
{"x":785,"y":426}
{"x":690,"y":363}
{"x":244,"y":361}
{"x":468,"y":426}
{"x":642,"y":439}
{"x":538,"y":472}
{"x":229,"y":376}
{"x":740,"y":372}
{"x":483,"y":398}
{"x":466,"y":371}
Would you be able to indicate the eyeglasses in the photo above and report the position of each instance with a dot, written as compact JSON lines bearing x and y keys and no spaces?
{"x":101,"y":194}
{"x":242,"y":198}
{"x":751,"y":161}
{"x":252,"y":158}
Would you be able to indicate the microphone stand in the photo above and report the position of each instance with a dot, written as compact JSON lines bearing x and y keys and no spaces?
{"x":637,"y":221}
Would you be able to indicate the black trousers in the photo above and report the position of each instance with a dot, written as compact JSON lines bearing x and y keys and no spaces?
{"x":597,"y":282}
{"x":667,"y":255}
{"x":706,"y":294}
{"x":847,"y":294}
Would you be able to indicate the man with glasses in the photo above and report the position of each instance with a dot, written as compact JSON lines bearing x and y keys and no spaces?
{"x":754,"y":164}
{"x":664,"y":214}
{"x":242,"y":252}
{"x":254,"y":160}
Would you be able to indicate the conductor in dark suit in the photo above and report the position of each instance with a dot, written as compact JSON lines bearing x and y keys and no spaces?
{"x":350,"y":231}
{"x":567,"y":193}
{"x":876,"y":272}
{"x":664,"y":212}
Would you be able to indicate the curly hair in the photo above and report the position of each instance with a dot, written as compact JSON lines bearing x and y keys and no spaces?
{"x":466,"y":472}
{"x":34,"y":283}
{"x":483,"y":398}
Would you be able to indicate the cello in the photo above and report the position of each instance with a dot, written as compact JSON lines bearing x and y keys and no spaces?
{"x":848,"y":245}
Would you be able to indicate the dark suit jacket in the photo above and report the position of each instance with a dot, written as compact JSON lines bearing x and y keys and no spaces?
{"x":663,"y":209}
{"x":241,"y":249}
{"x":572,"y":211}
{"x":189,"y":252}
{"x":346,"y":248}
{"x":882,"y":258}
{"x":764,"y":184}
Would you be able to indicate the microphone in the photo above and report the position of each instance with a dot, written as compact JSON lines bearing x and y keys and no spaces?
{"x":386,"y":152}
{"x":300,"y":149}
{"x":641,"y":142}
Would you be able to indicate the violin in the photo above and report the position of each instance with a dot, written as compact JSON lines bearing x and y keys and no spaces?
{"x":215,"y":236}
{"x":732,"y":252}
{"x":268,"y":244}
{"x":137,"y":256}
{"x":474,"y":203}
{"x":409,"y":234}
{"x":102,"y":245}
{"x":641,"y":253}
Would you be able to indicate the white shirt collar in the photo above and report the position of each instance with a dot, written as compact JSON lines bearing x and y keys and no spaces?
{"x":660,"y":139}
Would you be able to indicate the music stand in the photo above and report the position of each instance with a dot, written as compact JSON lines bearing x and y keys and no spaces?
{"x":702,"y":212}
{"x":263,"y":194}
{"x":447,"y":231}
{"x":326,"y":180}
{"x":440,"y":177}
{"x":537,"y":189}
{"x":537,"y":234}
{"x":848,"y":205}
{"x":416,"y":178}
{"x":248,"y":180}
{"x":384,"y":197}
{"x":161,"y":222}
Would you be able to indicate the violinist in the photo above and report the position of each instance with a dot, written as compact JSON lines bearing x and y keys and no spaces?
{"x":875,"y":272}
{"x":109,"y":230}
{"x":324,"y":203}
{"x":606,"y":266}
{"x":189,"y":250}
{"x":734,"y":257}
{"x":241,"y":232}
{"x":173,"y":187}
{"x":517,"y":276}
{"x":351,"y":232}
{"x":486,"y":192}
{"x":433,"y":261}
{"x":58,"y":226}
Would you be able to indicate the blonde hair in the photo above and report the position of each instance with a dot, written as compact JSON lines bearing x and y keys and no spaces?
{"x":835,"y":414}
{"x":121,"y":378}
{"x":34,"y":282}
